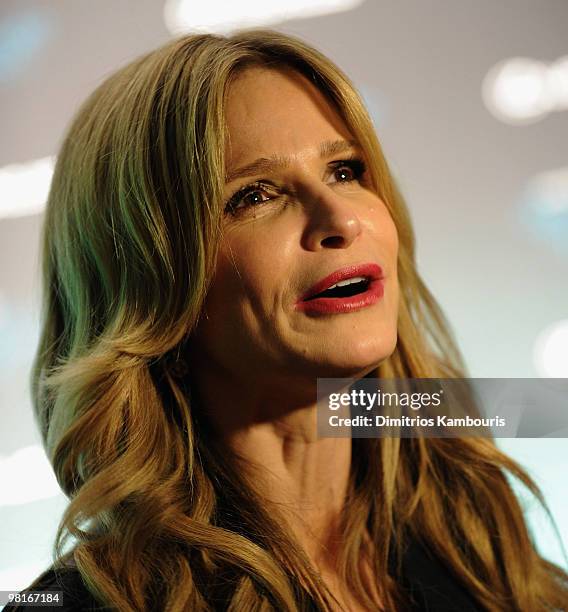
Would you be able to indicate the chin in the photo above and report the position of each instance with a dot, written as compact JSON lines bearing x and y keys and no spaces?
{"x":359,"y":359}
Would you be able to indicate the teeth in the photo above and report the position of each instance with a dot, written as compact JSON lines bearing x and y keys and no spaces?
{"x":349,"y":281}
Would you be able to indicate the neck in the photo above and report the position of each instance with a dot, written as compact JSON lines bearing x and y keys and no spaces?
{"x":301,"y":477}
{"x":306,"y":479}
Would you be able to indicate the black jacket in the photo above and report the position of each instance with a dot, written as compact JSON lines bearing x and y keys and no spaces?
{"x":425,"y":578}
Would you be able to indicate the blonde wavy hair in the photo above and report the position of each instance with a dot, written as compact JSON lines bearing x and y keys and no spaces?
{"x":157,"y":512}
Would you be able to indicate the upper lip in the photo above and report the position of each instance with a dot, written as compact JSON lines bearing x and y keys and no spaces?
{"x":370,"y":271}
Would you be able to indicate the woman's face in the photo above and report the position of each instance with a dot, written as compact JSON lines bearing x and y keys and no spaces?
{"x":310,"y":213}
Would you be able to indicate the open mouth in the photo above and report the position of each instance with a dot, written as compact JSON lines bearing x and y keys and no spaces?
{"x":343,"y":289}
{"x":348,"y":289}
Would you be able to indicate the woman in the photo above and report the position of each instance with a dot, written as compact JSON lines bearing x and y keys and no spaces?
{"x":205,"y":199}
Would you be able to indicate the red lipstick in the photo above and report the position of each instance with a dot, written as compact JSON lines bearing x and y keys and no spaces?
{"x":366,"y":285}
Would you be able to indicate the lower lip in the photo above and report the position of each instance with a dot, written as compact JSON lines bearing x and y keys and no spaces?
{"x":319,"y":306}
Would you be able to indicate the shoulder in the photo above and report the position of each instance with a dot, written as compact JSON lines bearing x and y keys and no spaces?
{"x":68,"y":582}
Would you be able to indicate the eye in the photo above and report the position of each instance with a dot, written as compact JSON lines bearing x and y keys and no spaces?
{"x":254,"y":197}
{"x":248,"y":196}
{"x":348,"y":170}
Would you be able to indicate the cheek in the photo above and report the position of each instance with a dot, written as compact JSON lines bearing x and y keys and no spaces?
{"x":244,"y":264}
{"x":391,"y":242}
{"x":382,"y":226}
{"x":248,"y":270}
{"x":386,"y":237}
{"x":265,"y":253}
{"x":239,"y":307}
{"x":394,"y":240}
{"x":225,"y":317}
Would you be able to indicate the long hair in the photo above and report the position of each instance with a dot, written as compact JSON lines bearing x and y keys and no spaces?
{"x":157,"y":512}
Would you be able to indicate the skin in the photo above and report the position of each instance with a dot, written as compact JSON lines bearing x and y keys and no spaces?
{"x":255,"y":358}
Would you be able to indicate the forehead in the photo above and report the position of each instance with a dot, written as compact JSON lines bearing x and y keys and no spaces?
{"x":277,"y":111}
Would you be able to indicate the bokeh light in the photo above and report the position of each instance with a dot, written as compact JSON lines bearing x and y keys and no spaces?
{"x":521,"y":90}
{"x":22,"y":36}
{"x":544,"y":209}
{"x":557,"y":82}
{"x":222,"y":16}
{"x":551,"y":351}
{"x":24,"y":187}
{"x":515,"y":91}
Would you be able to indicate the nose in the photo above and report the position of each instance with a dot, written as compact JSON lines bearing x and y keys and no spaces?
{"x":332,"y":221}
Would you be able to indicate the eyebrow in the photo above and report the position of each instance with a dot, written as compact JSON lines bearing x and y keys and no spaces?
{"x":273,"y":163}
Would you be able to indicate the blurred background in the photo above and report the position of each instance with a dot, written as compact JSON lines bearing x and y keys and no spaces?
{"x":470,"y":101}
